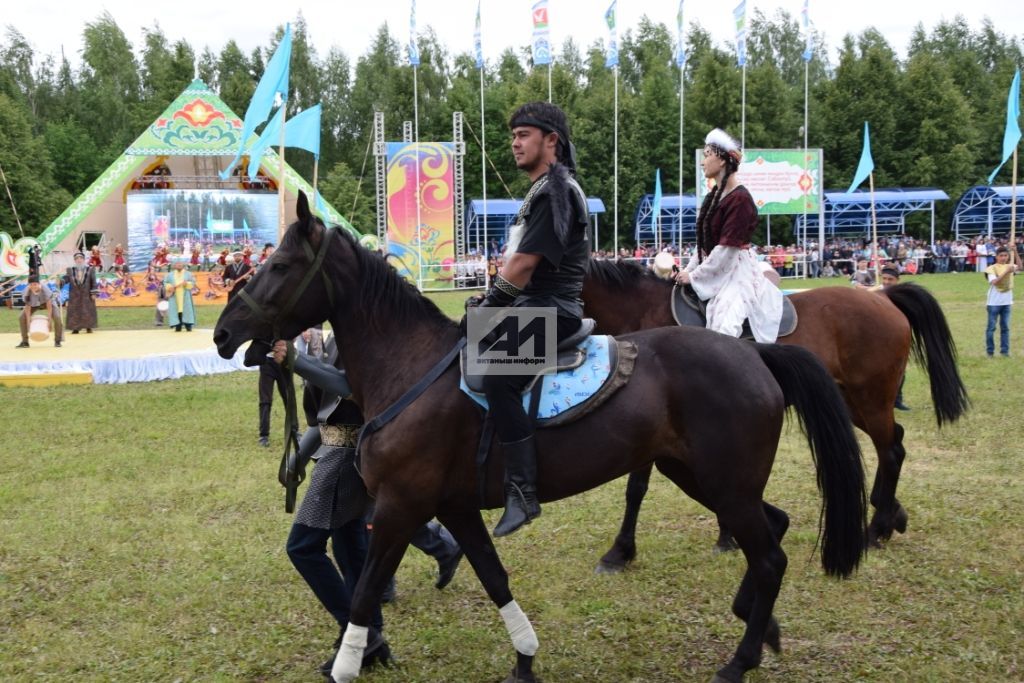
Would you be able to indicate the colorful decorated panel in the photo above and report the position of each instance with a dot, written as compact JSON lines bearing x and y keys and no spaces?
{"x":196,"y":123}
{"x":426,"y":249}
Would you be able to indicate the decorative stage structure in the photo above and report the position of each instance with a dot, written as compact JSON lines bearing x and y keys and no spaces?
{"x":419,"y":192}
{"x":182,"y":150}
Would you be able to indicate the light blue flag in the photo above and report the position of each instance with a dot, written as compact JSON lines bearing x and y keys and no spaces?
{"x":740,"y":16}
{"x":478,"y":41}
{"x":656,"y":204}
{"x":611,"y":56}
{"x":541,"y":34}
{"x":866,"y":165}
{"x":1011,"y":137}
{"x":273,"y":83}
{"x":303,"y":132}
{"x":414,"y":51}
{"x":680,"y":39}
{"x":805,"y":20}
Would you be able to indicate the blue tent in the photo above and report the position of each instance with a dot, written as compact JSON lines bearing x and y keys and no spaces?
{"x":678,"y":220}
{"x":849,"y":213}
{"x":986,"y":210}
{"x":482,"y":228}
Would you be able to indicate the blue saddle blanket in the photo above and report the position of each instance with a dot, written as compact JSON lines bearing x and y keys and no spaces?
{"x":564,"y":390}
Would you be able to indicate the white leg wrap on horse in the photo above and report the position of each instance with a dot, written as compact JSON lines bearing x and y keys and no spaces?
{"x":524,"y":639}
{"x":350,"y":654}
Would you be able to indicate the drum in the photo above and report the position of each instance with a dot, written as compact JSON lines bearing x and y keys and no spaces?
{"x":39,"y":327}
{"x":162,"y":306}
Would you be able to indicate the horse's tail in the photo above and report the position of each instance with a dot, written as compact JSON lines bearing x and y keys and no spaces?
{"x":933,"y":348}
{"x":824,"y":419}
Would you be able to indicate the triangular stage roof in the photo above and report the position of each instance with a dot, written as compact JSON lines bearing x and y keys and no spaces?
{"x":197,"y":124}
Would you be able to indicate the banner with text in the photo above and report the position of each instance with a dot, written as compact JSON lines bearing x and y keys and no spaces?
{"x":781,"y":181}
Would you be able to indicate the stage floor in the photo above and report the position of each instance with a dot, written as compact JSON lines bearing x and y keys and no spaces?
{"x":114,"y":356}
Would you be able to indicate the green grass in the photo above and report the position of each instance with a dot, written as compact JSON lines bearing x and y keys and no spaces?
{"x":142,"y":538}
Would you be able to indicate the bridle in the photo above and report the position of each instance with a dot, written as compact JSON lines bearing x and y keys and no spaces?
{"x":291,"y":473}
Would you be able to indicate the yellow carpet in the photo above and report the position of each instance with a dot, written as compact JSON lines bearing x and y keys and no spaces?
{"x":107,"y":345}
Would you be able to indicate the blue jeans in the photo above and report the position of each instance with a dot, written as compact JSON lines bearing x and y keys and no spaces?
{"x":1003,"y":314}
{"x":307,"y":549}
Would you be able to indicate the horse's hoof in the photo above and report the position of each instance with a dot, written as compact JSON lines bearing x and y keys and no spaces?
{"x":726,"y":547}
{"x":719,"y":678}
{"x":609,"y":568}
{"x":521,"y":678}
{"x":900,"y":524}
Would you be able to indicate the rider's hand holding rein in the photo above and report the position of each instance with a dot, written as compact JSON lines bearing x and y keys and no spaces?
{"x":280,"y":351}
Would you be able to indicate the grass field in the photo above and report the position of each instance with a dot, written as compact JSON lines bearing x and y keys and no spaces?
{"x":142,"y":539}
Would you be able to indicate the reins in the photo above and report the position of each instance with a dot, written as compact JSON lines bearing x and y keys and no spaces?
{"x":289,"y":473}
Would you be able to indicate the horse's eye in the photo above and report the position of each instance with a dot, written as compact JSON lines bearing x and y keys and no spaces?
{"x":278,"y":267}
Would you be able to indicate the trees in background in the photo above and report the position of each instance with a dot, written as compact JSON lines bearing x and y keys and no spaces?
{"x":936,"y":117}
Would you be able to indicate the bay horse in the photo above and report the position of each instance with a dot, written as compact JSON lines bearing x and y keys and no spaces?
{"x":682,"y":415}
{"x":864,"y":339}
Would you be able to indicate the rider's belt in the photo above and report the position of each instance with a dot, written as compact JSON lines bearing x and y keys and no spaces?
{"x":345,"y":436}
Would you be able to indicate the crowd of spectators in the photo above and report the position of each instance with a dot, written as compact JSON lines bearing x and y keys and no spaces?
{"x":840,"y":257}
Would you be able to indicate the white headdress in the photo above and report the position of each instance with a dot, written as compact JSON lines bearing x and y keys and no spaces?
{"x":719,"y":138}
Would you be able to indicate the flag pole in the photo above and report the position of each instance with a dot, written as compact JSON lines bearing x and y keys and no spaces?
{"x":483,"y":178}
{"x":682,"y":85}
{"x":280,"y":173}
{"x":874,"y":230}
{"x":416,"y":133}
{"x":316,"y":166}
{"x":615,"y":209}
{"x":743,"y":107}
{"x":806,"y":80}
{"x":1013,"y":211}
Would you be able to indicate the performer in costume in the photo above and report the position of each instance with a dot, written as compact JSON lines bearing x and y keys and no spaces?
{"x":722,"y":270}
{"x":545,"y":261}
{"x":179,"y":283}
{"x":81,"y":281}
{"x":336,"y":505}
{"x":38,"y":297}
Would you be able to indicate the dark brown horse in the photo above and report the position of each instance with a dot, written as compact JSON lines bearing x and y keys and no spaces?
{"x":863,"y":338}
{"x":672,"y":412}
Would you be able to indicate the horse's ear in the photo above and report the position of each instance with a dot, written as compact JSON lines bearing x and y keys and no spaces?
{"x":302,"y":209}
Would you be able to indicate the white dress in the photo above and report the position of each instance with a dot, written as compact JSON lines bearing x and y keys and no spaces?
{"x":732,"y":283}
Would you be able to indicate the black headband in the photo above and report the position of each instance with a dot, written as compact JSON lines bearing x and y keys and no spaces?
{"x":532,"y":122}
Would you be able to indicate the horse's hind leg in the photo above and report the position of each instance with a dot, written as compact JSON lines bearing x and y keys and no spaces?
{"x":766,"y":565}
{"x":623,"y":550}
{"x":468,"y":529}
{"x":744,"y":601}
{"x":758,"y":528}
{"x":887,"y":436}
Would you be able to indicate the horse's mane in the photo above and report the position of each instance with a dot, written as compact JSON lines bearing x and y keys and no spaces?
{"x":621,"y":274}
{"x":384,"y":290}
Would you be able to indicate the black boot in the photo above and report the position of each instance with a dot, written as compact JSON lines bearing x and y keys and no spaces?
{"x":521,"y":504}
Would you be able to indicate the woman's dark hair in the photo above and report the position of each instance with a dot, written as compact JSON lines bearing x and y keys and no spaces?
{"x":710,"y":203}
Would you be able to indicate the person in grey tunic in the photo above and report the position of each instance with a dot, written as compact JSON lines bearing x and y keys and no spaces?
{"x":337,"y":506}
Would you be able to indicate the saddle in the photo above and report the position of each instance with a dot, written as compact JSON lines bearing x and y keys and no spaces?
{"x":689,"y":311}
{"x":590,"y":368}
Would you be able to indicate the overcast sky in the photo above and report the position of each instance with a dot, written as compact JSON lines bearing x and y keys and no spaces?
{"x":53,"y":24}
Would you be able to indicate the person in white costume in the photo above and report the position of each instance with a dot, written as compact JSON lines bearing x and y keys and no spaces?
{"x":723,"y":271}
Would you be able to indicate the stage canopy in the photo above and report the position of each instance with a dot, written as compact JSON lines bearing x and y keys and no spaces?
{"x":482,"y":229}
{"x":849,"y":214}
{"x":985,"y":210}
{"x":678,"y":220}
{"x":183,"y":149}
